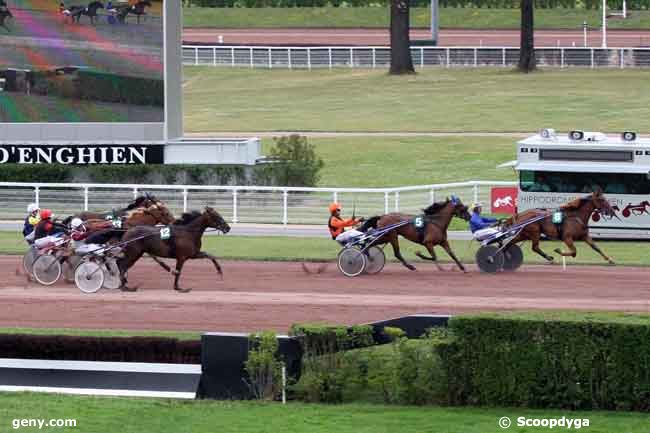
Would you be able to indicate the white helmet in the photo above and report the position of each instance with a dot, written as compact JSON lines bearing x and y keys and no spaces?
{"x":33,"y":207}
{"x":76,"y":222}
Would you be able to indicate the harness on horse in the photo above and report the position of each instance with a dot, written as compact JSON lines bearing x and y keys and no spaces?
{"x":167,"y":235}
{"x":420,"y":224}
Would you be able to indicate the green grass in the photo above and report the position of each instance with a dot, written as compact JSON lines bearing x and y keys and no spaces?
{"x":323,"y":249}
{"x":128,"y":415}
{"x":467,"y":18}
{"x":571,"y":316}
{"x":485,"y":99}
{"x":181,"y":335}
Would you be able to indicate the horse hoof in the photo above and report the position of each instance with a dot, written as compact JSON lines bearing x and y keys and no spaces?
{"x":128,"y":289}
{"x":557,"y":250}
{"x":612,"y":262}
{"x":181,"y":290}
{"x":411,"y":268}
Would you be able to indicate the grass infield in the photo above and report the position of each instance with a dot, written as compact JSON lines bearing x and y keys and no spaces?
{"x":460,"y":18}
{"x":433,"y":100}
{"x":129,"y":415}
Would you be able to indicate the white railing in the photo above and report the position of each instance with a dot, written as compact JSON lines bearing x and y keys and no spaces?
{"x":249,"y":204}
{"x":379,"y":57}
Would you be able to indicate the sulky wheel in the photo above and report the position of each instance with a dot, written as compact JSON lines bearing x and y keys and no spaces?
{"x":69,"y":267}
{"x":513,"y":257}
{"x":111,"y":275}
{"x":489,"y":259}
{"x":47,"y":269}
{"x":375,"y":260}
{"x":351,"y":262}
{"x":89,"y":277}
{"x":28,"y":260}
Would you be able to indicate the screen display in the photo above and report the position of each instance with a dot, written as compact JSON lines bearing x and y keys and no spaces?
{"x":585,"y":155}
{"x":81,"y":61}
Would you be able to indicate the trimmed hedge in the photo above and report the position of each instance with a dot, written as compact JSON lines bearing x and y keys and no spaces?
{"x":86,"y":348}
{"x":107,"y":87}
{"x":492,"y":4}
{"x":572,"y":362}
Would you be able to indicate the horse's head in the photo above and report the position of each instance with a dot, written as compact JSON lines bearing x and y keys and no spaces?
{"x":96,"y":5}
{"x":460,"y":210}
{"x":601,"y":204}
{"x":216,"y":221}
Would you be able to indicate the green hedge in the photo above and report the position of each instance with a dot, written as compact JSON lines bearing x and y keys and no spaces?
{"x":493,"y":4}
{"x":571,"y":361}
{"x":107,"y":87}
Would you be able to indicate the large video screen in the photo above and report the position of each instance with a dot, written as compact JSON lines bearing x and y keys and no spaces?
{"x":81,"y":61}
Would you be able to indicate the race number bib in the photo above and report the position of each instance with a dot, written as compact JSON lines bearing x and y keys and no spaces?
{"x":418,"y":222}
{"x":117,"y":223}
{"x":557,"y":218}
{"x":165,"y":233}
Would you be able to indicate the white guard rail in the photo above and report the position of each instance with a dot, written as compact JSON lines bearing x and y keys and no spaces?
{"x":379,"y":57}
{"x":249,"y":204}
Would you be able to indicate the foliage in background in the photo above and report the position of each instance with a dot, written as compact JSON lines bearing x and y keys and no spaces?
{"x":263,"y":367}
{"x":292,"y":162}
{"x":576,"y":362}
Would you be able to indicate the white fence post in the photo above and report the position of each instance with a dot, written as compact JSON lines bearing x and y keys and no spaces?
{"x":285,"y":212}
{"x":232,"y":57}
{"x":289,"y":58}
{"x":250,"y":53}
{"x":234,"y":206}
{"x":475,"y":57}
{"x":270,"y":59}
{"x":396,"y":201}
{"x":196,"y":56}
{"x":214,"y":56}
{"x":561,"y":57}
{"x":135,"y":193}
{"x":351,"y":57}
{"x":184,"y":200}
{"x":448,"y":57}
{"x":592,"y":57}
{"x":422,"y":57}
{"x":432,"y":195}
{"x":86,"y":199}
{"x":329,"y":52}
{"x":386,"y":194}
{"x":503,"y":56}
{"x":621,"y":54}
{"x":37,"y":196}
{"x":374,"y":58}
{"x":309,"y":58}
{"x":475,"y":193}
{"x":335,"y":197}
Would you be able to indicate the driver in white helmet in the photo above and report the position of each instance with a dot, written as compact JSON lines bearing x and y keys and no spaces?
{"x":481,"y":227}
{"x":31,"y":220}
{"x":79,"y":234}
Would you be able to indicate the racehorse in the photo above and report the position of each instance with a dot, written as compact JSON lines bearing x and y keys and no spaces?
{"x":4,"y":14}
{"x":138,"y":9}
{"x":574,"y":225}
{"x":90,"y":11}
{"x":435,"y":222}
{"x":181,"y":242}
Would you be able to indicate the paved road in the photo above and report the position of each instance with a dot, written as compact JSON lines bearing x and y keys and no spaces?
{"x":365,"y":37}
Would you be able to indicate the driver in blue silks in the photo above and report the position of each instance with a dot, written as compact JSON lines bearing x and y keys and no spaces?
{"x":481,"y":226}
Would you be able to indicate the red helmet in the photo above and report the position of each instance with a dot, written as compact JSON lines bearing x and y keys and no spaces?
{"x":334,"y":207}
{"x":46,"y":213}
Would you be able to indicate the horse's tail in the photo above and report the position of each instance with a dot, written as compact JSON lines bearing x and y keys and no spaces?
{"x":370,"y":223}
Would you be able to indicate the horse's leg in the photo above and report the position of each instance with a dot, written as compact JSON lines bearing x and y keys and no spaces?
{"x":162,"y":264}
{"x":447,"y":248}
{"x":124,"y":265}
{"x":595,"y":247}
{"x":433,"y":257}
{"x":213,"y":259}
{"x":179,"y":267}
{"x":572,"y":248}
{"x":395,"y":244}
{"x":538,"y":250}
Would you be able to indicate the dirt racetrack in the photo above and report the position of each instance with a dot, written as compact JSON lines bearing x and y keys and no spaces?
{"x":272,"y":295}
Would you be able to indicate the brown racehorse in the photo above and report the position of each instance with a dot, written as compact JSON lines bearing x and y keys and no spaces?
{"x":436,"y":220}
{"x":574,"y":227}
{"x":184,"y":243}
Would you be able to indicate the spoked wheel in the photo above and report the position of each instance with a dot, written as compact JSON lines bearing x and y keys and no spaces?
{"x":89,"y":277}
{"x":513,"y":257}
{"x":47,"y":269}
{"x":375,"y":260}
{"x":69,"y":267}
{"x":351,"y":262}
{"x":111,"y":275}
{"x":28,"y":260}
{"x":489,"y":259}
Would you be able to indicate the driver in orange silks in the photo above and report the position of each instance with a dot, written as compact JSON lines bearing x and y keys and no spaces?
{"x":337,"y":225}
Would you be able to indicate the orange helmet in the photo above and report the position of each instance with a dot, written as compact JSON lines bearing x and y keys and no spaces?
{"x":46,"y":213}
{"x":334,"y":207}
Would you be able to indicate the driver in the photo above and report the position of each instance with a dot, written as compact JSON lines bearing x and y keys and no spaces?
{"x":337,"y":225}
{"x":481,"y":226}
{"x":31,"y":221}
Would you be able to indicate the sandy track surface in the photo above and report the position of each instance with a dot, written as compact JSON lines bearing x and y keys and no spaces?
{"x":272,"y":295}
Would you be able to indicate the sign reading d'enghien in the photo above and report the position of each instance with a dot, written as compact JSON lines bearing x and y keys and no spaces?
{"x":82,"y":154}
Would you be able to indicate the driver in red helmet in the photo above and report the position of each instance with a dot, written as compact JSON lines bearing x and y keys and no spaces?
{"x":337,"y":225}
{"x":46,"y":226}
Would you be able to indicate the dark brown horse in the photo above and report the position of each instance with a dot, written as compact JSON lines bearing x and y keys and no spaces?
{"x":434,"y":222}
{"x":180,"y":242}
{"x":139,"y":10}
{"x":574,"y":226}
